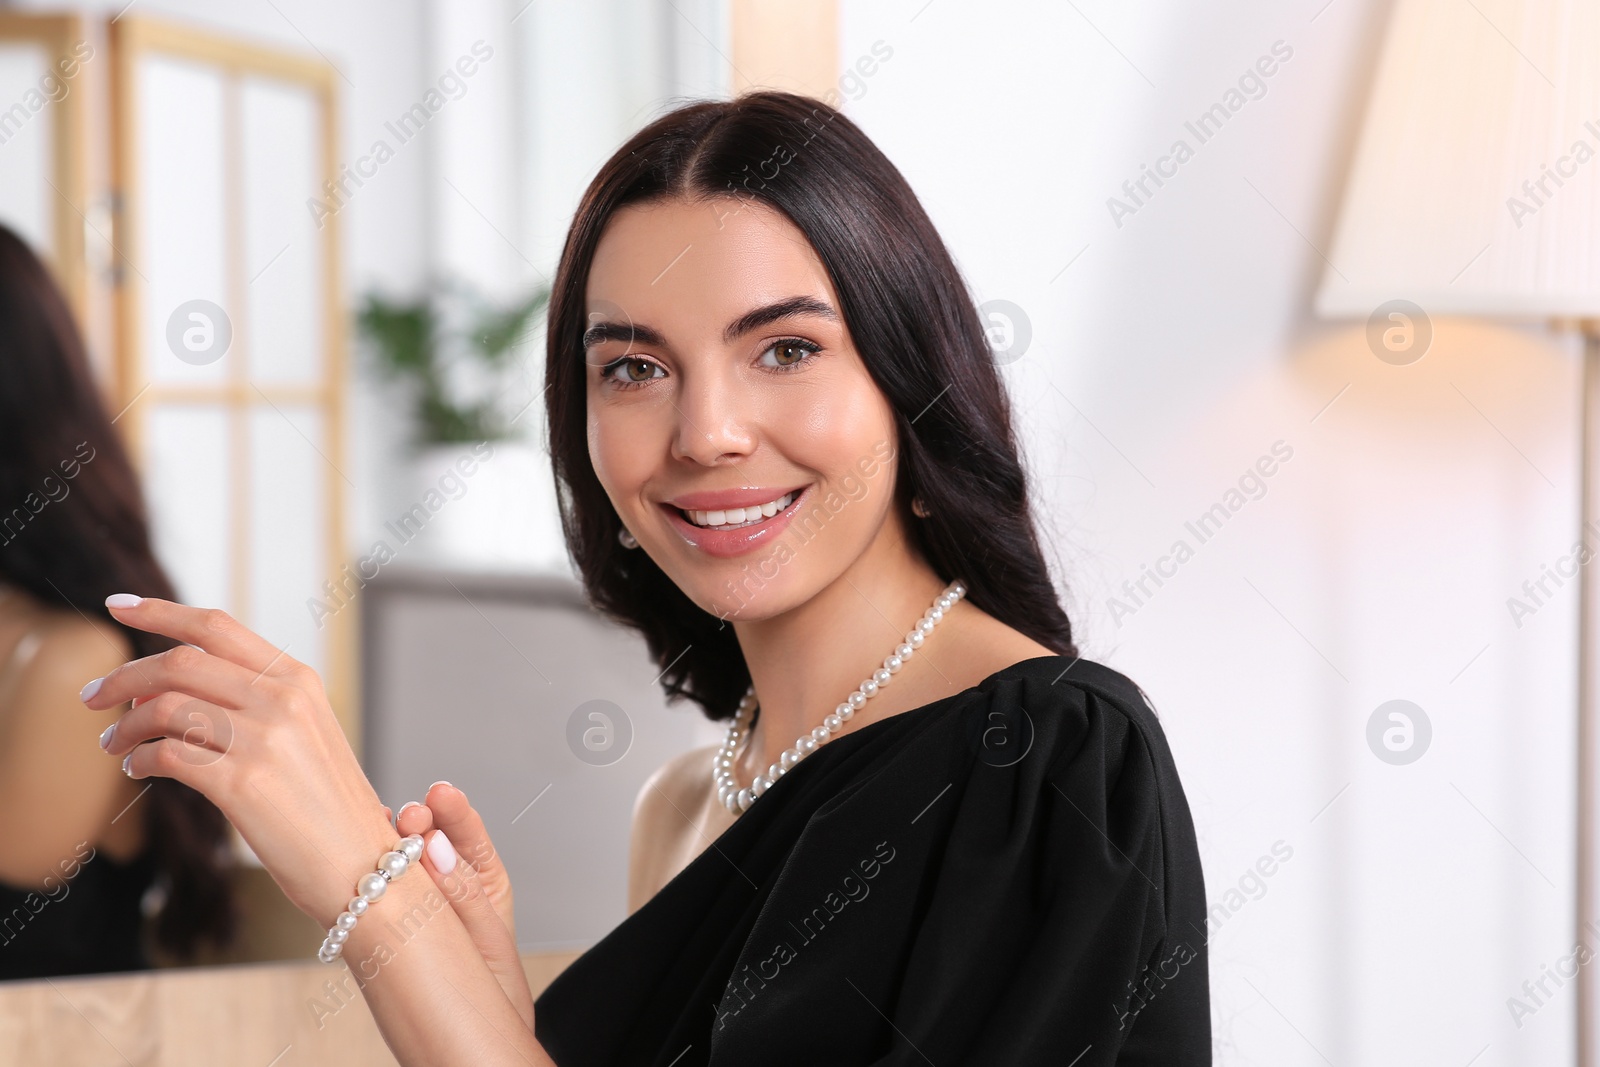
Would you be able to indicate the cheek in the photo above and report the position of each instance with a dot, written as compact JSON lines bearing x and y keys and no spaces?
{"x":839,"y":429}
{"x":615,"y":449}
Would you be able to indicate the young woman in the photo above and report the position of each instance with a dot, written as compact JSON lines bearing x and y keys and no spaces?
{"x":936,"y":834}
{"x":84,"y":845}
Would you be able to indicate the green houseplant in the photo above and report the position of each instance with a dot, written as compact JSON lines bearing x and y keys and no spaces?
{"x":452,"y":354}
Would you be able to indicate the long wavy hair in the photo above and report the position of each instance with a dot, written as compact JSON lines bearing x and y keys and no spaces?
{"x":911,"y":318}
{"x":92,"y":541}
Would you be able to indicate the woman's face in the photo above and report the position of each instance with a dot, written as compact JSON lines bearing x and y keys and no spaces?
{"x":730,"y":418}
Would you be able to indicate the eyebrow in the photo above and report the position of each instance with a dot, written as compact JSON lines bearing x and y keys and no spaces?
{"x":601,"y":332}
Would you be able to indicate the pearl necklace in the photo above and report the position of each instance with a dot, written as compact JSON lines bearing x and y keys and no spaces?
{"x":736,"y":800}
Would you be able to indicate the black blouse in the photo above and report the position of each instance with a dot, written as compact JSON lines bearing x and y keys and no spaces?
{"x":1006,"y":876}
{"x":88,"y":924}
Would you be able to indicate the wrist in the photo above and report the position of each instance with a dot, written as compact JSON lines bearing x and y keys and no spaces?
{"x":394,"y":857}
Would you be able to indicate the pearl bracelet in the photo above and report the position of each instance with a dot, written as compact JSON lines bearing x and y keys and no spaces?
{"x":391,"y":865}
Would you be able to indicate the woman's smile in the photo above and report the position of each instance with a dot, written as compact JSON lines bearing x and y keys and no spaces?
{"x":732,"y":522}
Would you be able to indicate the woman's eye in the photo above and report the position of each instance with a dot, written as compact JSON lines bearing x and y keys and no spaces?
{"x":632,"y":371}
{"x":790,"y":353}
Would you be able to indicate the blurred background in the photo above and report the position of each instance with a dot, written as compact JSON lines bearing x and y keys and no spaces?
{"x":1290,"y":297}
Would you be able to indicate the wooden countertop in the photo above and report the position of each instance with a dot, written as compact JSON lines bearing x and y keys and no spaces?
{"x":288,"y":1014}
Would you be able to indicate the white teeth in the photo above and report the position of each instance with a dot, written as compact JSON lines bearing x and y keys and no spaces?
{"x":731,"y":517}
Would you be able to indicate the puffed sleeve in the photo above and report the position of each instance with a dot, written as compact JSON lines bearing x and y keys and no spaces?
{"x":1065,"y":916}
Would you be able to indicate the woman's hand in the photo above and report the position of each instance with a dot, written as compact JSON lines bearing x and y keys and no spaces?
{"x":464,"y":865}
{"x":251,"y":729}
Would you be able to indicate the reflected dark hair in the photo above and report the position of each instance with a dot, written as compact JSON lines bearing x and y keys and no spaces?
{"x":913,"y":322}
{"x":92,"y":541}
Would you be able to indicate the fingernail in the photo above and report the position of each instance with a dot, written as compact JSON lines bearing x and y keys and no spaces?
{"x":87,"y":693}
{"x":407,"y":804}
{"x":440,"y":782}
{"x":105,"y":738}
{"x":441,"y":852}
{"x":125,"y":761}
{"x":123,"y":600}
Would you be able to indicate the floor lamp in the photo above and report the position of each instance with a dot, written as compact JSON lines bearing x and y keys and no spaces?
{"x":1475,"y":191}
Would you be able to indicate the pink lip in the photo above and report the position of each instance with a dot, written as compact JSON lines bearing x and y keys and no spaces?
{"x":725,"y":544}
{"x":722,"y":499}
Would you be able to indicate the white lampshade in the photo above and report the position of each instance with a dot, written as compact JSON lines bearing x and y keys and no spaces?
{"x":1472,"y":99}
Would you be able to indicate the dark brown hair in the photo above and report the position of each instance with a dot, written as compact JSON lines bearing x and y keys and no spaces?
{"x":94,"y":540}
{"x":909,"y":315}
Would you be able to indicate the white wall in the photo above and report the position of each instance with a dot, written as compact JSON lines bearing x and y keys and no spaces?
{"x":1171,"y":354}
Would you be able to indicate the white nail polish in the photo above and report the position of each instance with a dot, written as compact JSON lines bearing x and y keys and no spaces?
{"x":87,"y":693}
{"x":441,"y":852}
{"x":105,"y":736}
{"x":125,"y":761}
{"x":123,"y":600}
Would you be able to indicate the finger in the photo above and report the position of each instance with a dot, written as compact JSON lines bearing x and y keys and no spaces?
{"x":168,"y":757}
{"x":183,"y":669}
{"x":460,"y":883}
{"x":413,"y":818}
{"x":453,"y":814}
{"x":388,"y":815}
{"x":197,"y":723}
{"x":210,"y":629}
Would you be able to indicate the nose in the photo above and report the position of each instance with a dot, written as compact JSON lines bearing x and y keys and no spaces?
{"x":715,"y":421}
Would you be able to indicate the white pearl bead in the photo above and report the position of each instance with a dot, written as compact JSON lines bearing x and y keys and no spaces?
{"x":737,"y":800}
{"x":412,"y":847}
{"x":372,"y":886}
{"x":345,"y":921}
{"x":338,"y":937}
{"x":357,"y":906}
{"x":393,"y":864}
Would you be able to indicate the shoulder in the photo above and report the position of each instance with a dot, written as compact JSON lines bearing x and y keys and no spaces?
{"x":63,"y":652}
{"x":664,"y":815}
{"x":677,"y":783}
{"x":1077,"y":700}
